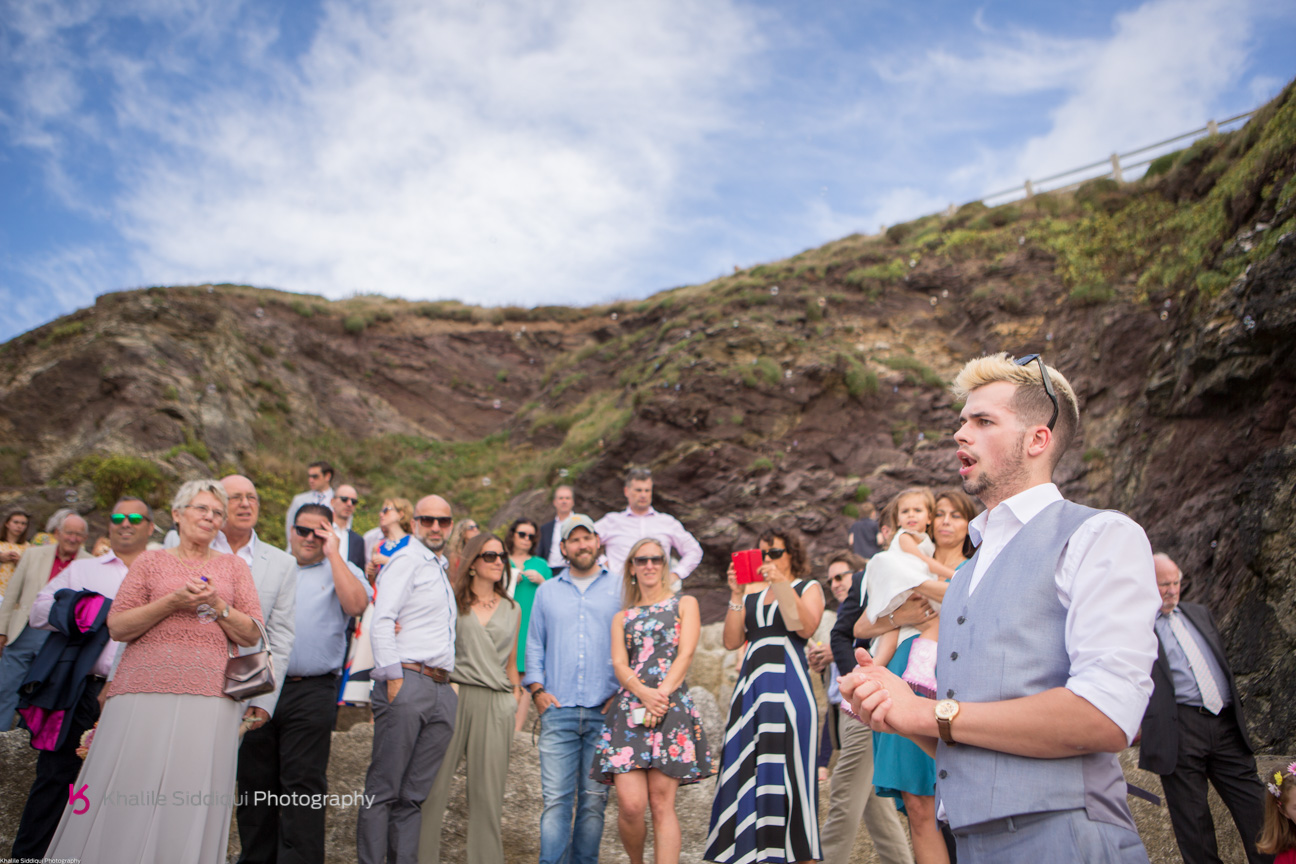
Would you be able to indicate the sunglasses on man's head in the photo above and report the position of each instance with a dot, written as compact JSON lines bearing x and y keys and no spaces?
{"x":303,"y":531}
{"x":347,"y":499}
{"x":429,"y":521}
{"x":1048,"y":385}
{"x":772,"y":554}
{"x":642,"y":560}
{"x":491,"y":557}
{"x":133,"y":518}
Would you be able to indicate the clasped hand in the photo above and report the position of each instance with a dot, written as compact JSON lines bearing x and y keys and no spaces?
{"x":194,"y":593}
{"x":880,"y":698}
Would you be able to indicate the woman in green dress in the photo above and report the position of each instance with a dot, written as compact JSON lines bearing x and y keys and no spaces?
{"x":486,"y":671}
{"x":529,"y":573}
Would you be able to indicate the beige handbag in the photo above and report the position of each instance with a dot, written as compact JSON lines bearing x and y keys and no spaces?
{"x":249,"y":675}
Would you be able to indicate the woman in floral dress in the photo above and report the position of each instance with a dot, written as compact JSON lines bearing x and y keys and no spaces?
{"x":654,"y":740}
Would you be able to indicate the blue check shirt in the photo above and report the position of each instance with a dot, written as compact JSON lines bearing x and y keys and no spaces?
{"x":569,"y":643}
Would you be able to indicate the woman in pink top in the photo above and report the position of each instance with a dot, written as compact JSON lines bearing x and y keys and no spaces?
{"x":158,"y":782}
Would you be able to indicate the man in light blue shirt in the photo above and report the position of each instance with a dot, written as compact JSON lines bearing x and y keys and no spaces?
{"x":569,"y":673}
{"x":283,"y":763}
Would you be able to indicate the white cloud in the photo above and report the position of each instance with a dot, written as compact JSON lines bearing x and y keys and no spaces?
{"x":493,"y":152}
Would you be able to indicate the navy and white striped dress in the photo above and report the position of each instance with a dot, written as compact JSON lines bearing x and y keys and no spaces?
{"x":766,"y":806}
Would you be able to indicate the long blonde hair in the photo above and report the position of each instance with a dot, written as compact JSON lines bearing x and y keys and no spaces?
{"x":1279,"y":833}
{"x":631,"y":595}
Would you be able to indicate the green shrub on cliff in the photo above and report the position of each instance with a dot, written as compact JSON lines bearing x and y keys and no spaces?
{"x":114,"y":476}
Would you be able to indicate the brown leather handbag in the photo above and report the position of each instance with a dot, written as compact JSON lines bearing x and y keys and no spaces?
{"x":249,"y":675}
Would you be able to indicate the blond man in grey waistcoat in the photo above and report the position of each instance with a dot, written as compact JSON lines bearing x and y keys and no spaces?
{"x":1046,"y":642}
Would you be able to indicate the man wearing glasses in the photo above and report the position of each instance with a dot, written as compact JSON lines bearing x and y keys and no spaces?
{"x":413,"y":704}
{"x":129,"y":529}
{"x":345,"y":500}
{"x":19,"y":644}
{"x":319,"y":480}
{"x":288,"y":757}
{"x":1046,"y":642}
{"x":275,"y":575}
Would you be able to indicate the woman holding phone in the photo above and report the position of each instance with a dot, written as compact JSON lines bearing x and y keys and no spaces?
{"x":767,"y":802}
{"x":653,"y":742}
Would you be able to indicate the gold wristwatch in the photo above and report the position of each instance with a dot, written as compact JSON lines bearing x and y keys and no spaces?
{"x":946,"y":711}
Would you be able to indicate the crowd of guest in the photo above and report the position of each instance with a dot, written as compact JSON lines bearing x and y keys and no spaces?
{"x":208,"y":670}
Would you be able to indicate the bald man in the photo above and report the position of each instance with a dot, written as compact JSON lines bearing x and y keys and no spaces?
{"x":411,"y":732}
{"x":1194,"y":730}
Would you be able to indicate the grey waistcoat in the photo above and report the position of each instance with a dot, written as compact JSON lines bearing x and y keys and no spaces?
{"x":1005,"y":641}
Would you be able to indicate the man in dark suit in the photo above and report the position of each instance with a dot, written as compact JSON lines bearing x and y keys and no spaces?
{"x":1194,"y":730}
{"x":564,"y":502}
{"x":344,"y":504}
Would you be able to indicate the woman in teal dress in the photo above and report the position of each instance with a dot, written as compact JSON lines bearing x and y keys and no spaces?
{"x":529,"y":572}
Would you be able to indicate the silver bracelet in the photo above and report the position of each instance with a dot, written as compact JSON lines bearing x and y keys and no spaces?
{"x":735,"y":607}
{"x":891,"y":618}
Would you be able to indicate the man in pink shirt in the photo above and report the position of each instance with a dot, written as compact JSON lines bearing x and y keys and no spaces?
{"x":619,"y":531}
{"x":129,"y":530}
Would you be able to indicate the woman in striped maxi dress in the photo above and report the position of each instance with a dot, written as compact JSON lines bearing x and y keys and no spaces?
{"x":767,"y":801}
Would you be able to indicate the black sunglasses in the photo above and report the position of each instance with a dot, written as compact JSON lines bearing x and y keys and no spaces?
{"x":491,"y":557}
{"x":1048,"y":385}
{"x":347,"y":500}
{"x":641,"y":560}
{"x":133,"y":518}
{"x":772,"y":554}
{"x":303,"y":531}
{"x":839,"y":577}
{"x":429,"y":521}
{"x":524,"y":535}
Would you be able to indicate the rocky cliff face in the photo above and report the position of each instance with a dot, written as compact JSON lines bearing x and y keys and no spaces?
{"x":782,"y":394}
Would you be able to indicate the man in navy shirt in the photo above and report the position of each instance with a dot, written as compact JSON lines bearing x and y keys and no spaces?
{"x":569,"y":673}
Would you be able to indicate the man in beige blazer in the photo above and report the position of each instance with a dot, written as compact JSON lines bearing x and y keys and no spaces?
{"x":19,"y":643}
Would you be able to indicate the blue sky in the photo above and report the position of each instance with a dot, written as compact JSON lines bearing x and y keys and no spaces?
{"x":568,"y":151}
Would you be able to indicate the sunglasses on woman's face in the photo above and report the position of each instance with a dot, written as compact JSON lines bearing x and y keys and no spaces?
{"x":133,"y":518}
{"x":386,"y":509}
{"x":491,"y":557}
{"x":772,"y":554}
{"x":524,"y":535}
{"x":644,"y":560}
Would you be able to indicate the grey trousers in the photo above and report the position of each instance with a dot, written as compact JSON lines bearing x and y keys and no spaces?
{"x":482,"y":735}
{"x":1060,"y":835}
{"x":851,"y":796}
{"x":410,"y":739}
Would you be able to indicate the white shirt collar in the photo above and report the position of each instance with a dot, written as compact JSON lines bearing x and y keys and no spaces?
{"x":652,"y":511}
{"x":1024,"y":506}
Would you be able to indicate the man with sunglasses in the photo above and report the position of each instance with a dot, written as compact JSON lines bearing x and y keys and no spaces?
{"x":1046,"y":642}
{"x":413,"y":703}
{"x":288,"y":757}
{"x":569,"y":673}
{"x":19,"y":644}
{"x":345,"y":499}
{"x":319,"y":480}
{"x":130,"y":526}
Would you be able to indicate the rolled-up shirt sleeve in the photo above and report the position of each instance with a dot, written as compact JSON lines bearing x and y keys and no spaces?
{"x":689,"y":548}
{"x":535,"y":646}
{"x":397,"y":582}
{"x":39,"y":617}
{"x":1109,"y":586}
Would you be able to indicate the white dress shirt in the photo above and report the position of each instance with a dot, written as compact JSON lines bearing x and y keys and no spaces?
{"x":556,"y":558}
{"x":247,"y":551}
{"x":1106,"y":582}
{"x":413,"y":588}
{"x":103,"y":575}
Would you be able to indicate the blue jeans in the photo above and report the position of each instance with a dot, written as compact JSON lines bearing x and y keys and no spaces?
{"x":14,"y":663}
{"x":567,"y":739}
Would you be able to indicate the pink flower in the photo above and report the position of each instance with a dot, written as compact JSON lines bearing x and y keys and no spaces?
{"x":673,"y":751}
{"x":622,"y":757}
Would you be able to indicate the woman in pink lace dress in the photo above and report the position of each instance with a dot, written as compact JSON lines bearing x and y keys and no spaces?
{"x":158,"y":781}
